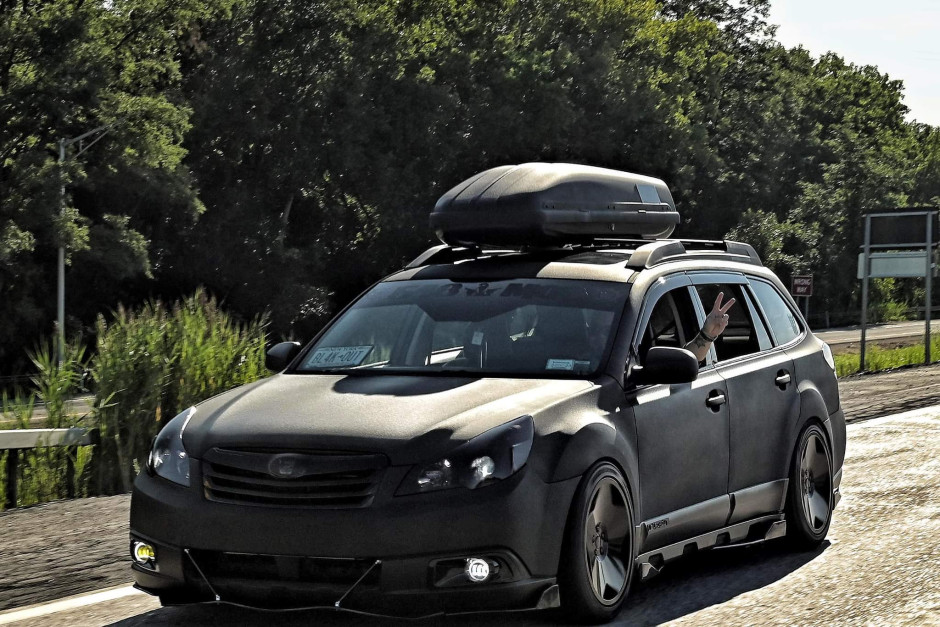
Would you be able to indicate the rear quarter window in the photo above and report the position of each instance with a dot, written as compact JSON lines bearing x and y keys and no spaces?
{"x":783,"y":323}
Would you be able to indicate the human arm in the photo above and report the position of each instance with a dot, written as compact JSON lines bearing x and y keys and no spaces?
{"x":715,"y":323}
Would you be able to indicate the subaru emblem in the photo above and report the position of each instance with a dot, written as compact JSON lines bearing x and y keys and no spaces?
{"x":284,"y":467}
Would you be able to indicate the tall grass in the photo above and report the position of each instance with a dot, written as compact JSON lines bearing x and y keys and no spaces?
{"x":41,"y":472}
{"x":156,"y":361}
{"x":885,"y":358}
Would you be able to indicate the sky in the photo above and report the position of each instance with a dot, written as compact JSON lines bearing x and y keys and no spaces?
{"x":901,"y":38}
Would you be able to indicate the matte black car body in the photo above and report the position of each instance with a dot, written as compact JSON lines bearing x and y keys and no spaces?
{"x":698,"y":472}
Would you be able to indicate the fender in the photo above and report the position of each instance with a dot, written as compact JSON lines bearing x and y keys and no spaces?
{"x":599,"y":440}
{"x":813,"y":406}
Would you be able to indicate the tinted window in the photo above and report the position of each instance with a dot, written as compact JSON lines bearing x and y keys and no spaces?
{"x":518,"y":327}
{"x":782,"y":322}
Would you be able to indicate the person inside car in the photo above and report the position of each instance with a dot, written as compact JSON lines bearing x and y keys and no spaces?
{"x":715,"y":323}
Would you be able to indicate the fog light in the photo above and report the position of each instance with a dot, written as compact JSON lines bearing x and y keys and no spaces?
{"x":143,"y":553}
{"x":477,"y":570}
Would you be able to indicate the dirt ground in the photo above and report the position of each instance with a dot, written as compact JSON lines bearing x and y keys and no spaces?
{"x":871,"y":395}
{"x":58,"y":549}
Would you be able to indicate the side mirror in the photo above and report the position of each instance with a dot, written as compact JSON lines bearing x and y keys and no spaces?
{"x":279,"y":355}
{"x":665,"y":364}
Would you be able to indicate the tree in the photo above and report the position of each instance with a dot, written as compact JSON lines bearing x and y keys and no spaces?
{"x":66,"y":67}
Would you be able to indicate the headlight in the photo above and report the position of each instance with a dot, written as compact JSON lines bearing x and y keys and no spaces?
{"x":168,"y":458}
{"x":827,"y":355}
{"x":492,"y":455}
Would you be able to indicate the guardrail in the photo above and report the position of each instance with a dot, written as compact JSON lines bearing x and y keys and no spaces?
{"x":16,"y":440}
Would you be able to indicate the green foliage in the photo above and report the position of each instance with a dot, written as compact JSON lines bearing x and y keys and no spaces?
{"x":785,"y":247}
{"x":253,"y":139}
{"x":152,"y":363}
{"x":42,"y":472}
{"x":886,"y":358}
{"x":887,"y":301}
{"x":67,"y":68}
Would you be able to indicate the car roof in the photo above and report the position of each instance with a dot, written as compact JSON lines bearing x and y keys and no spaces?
{"x":619,"y":261}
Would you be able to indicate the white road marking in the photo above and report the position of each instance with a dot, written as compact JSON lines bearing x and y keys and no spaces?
{"x":70,"y":603}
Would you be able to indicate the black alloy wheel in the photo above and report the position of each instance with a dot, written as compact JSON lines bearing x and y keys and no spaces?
{"x":809,"y":496}
{"x":599,"y":553}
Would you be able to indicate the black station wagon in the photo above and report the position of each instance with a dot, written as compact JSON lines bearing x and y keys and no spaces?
{"x":511,"y":421}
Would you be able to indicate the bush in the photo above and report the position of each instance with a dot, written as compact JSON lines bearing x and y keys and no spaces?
{"x":153,"y":363}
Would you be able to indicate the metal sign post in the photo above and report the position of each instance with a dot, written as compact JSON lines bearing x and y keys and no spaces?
{"x":896,"y":231}
{"x":867,"y":271}
{"x":928,"y":279}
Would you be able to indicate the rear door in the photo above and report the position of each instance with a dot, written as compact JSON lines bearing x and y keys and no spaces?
{"x":682,"y":429}
{"x":761,"y":393}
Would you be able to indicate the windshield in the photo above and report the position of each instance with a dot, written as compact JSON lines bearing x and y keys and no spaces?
{"x":533,"y":327}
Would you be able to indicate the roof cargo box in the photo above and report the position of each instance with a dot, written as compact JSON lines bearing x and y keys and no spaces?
{"x":545,"y":204}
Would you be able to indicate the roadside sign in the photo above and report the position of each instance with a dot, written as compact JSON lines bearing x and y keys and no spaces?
{"x":915,"y":229}
{"x":904,"y":229}
{"x":895,"y":264}
{"x":802,"y":286}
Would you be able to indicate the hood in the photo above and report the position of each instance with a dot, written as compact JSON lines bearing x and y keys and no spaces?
{"x":408,"y":418}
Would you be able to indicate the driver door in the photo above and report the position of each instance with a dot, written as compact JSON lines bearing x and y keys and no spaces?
{"x":682,"y":429}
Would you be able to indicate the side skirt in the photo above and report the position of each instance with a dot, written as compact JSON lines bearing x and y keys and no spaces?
{"x":741,"y":534}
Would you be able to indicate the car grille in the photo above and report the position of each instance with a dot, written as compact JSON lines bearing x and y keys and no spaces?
{"x":291,"y":479}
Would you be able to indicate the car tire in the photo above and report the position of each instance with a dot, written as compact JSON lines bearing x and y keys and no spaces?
{"x":809,"y":493}
{"x":598,"y":555}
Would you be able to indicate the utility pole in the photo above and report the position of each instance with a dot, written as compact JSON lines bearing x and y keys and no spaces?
{"x":60,"y":298}
{"x":94,"y":135}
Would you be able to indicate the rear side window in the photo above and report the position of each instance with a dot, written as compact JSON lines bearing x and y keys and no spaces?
{"x":782,"y":322}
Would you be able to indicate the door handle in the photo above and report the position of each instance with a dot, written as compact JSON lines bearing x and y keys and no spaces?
{"x":783,"y":379}
{"x":716,"y":399}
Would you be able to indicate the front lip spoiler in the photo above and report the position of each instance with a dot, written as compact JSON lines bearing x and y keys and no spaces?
{"x":549,"y":599}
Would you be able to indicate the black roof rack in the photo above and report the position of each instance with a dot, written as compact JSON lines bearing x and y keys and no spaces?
{"x":444,"y":253}
{"x":646,"y":254}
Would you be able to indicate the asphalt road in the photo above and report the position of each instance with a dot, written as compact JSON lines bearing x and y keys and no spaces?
{"x":891,"y":331}
{"x":879,"y":565}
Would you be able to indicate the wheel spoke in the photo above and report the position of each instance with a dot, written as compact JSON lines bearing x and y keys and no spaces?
{"x":819,"y":464}
{"x":603,"y":505}
{"x":819,"y":509}
{"x":806,"y":462}
{"x":617,"y":529}
{"x":598,"y":578}
{"x":807,"y":508}
{"x":614,"y":574}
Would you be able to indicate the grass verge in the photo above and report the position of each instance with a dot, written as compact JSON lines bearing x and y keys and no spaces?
{"x":887,"y":358}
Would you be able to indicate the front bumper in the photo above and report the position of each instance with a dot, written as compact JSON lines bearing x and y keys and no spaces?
{"x":302,"y":557}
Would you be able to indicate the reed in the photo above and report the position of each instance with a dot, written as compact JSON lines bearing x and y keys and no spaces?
{"x":41,"y":471}
{"x":154,"y":362}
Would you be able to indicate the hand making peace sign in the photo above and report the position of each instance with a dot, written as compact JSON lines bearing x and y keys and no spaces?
{"x":717,"y":318}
